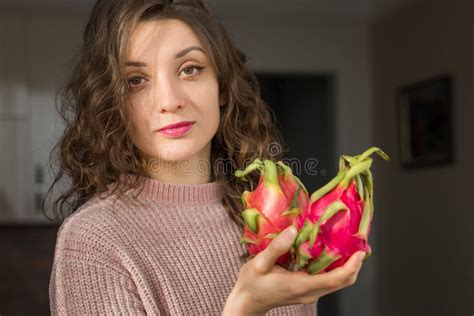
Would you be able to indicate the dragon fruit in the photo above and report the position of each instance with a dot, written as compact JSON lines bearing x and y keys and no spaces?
{"x":337,"y":222}
{"x":333,"y":223}
{"x":274,"y":205}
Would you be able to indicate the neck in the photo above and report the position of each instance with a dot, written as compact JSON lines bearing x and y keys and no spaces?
{"x":193,"y":170}
{"x":183,"y":172}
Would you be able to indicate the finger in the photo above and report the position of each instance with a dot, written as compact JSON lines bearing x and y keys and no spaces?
{"x":265,"y":260}
{"x":338,"y":277}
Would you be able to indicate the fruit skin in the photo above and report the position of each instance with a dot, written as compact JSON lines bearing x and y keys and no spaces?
{"x":333,"y":223}
{"x":337,"y":222}
{"x":274,"y":205}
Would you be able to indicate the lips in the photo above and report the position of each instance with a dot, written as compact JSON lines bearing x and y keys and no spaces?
{"x":176,"y":130}
{"x":171,"y":126}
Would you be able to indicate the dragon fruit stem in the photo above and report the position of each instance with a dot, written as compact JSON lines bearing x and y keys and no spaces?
{"x":370,"y":188}
{"x":328,"y":186}
{"x":322,"y":262}
{"x":294,"y":200}
{"x":304,"y":233}
{"x":303,"y":257}
{"x":271,"y":174}
{"x":370,"y":151}
{"x":369,"y":182}
{"x":288,"y":170}
{"x":250,"y":216}
{"x":329,"y":212}
{"x":355,"y":170}
{"x":244,"y":198}
{"x":245,"y":240}
{"x":355,"y":160}
{"x":360,"y":186}
{"x":368,"y":206}
{"x":267,"y":167}
{"x":313,"y":234}
{"x":256,"y":164}
{"x":292,"y":211}
{"x":365,"y":220}
{"x":349,"y":159}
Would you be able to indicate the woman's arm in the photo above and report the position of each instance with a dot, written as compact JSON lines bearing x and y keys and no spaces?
{"x":87,"y":279}
{"x":262,"y":285}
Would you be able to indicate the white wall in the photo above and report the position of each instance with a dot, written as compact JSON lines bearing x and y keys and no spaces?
{"x":426,"y":217}
{"x":37,"y":47}
{"x":14,"y":98}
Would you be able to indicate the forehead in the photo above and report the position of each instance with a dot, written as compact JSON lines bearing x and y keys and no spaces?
{"x":163,"y":37}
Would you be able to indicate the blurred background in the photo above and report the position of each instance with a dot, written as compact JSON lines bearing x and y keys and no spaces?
{"x":341,"y":76}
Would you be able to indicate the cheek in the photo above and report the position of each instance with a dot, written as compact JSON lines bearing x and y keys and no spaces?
{"x":212,"y":100}
{"x":139,"y":119}
{"x":216,"y":117}
{"x":212,"y":124}
{"x":212,"y":116}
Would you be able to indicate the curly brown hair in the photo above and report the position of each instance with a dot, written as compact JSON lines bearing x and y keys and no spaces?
{"x":95,"y":148}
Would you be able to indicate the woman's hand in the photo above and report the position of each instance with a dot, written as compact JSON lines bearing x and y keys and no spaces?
{"x":262,"y":285}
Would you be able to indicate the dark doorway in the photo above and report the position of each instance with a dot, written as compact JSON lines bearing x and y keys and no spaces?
{"x":304,"y":110}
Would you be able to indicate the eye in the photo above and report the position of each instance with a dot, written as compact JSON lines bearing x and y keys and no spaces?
{"x":188,"y":70}
{"x":135,"y":81}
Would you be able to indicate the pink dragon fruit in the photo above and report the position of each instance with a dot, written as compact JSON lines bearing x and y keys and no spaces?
{"x":274,"y":205}
{"x":337,"y":223}
{"x":332,"y":224}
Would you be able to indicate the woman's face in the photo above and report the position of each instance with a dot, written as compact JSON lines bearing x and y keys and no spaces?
{"x":171,"y":80}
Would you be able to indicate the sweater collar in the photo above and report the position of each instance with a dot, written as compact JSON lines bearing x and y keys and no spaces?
{"x":177,"y":193}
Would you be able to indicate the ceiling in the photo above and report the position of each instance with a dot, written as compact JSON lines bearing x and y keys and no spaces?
{"x":272,"y":10}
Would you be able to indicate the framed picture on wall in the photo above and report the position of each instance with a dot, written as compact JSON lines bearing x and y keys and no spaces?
{"x":425,"y":123}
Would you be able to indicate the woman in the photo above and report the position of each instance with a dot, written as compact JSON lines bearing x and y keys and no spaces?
{"x":161,"y":110}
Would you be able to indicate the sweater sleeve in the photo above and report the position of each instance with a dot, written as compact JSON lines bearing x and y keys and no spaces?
{"x":87,"y":278}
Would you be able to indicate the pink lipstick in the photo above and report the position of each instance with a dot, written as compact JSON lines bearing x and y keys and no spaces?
{"x":176,"y":130}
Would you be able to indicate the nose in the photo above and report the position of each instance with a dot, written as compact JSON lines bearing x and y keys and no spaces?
{"x":168,"y":95}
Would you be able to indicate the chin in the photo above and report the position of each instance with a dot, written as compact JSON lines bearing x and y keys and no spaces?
{"x":182,"y":153}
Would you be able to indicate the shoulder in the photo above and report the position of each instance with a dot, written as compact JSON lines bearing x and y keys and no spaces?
{"x":99,"y":211}
{"x":87,"y":244}
{"x":91,"y":227}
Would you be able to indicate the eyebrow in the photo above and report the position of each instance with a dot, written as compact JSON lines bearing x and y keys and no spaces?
{"x":178,"y":55}
{"x":187,"y":50}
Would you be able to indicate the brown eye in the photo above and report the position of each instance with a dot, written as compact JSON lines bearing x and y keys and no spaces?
{"x":189,"y":70}
{"x":134,"y":81}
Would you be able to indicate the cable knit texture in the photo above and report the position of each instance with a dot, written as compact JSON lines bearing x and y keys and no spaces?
{"x":177,"y":252}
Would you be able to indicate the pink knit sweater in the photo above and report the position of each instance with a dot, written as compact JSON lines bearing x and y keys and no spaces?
{"x":175,"y":253}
